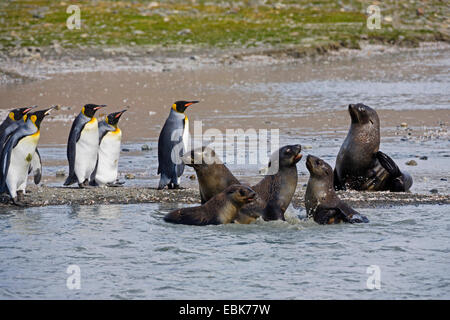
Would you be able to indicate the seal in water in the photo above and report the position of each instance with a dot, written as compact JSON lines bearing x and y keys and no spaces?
{"x":359,"y":164}
{"x":321,"y":201}
{"x":221,"y":209}
{"x":277,"y":188}
{"x":213,"y":176}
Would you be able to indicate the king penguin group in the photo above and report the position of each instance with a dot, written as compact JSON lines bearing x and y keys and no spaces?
{"x":93,"y":151}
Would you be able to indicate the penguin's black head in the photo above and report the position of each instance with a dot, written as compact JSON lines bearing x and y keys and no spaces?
{"x":113,"y":118}
{"x":19,"y":113}
{"x":181,"y":106}
{"x":37,"y":116}
{"x":90,"y":109}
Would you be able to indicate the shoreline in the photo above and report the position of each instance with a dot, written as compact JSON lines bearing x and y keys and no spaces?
{"x":41,"y":196}
{"x":33,"y":64}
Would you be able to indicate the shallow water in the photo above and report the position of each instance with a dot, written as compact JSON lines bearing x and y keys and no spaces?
{"x":128,"y":251}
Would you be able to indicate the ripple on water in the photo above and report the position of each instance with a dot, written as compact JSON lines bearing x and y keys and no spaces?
{"x":267,"y":260}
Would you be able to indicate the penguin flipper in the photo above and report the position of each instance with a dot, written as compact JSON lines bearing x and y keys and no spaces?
{"x":36,"y":167}
{"x":5,"y":158}
{"x":170,"y":151}
{"x":93,"y":174}
{"x":74,"y":136}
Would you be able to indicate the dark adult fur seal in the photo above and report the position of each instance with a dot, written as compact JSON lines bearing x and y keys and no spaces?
{"x":213,"y":176}
{"x":221,"y":209}
{"x":359,"y":164}
{"x":321,"y":201}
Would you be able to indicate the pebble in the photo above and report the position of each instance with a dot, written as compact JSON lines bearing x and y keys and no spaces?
{"x":423,"y":158}
{"x":411,"y":163}
{"x":145,"y":147}
{"x":403,"y":125}
{"x":61,"y":173}
{"x":192,"y":177}
{"x":130,"y":176}
{"x":434,"y":191}
{"x":125,"y":150}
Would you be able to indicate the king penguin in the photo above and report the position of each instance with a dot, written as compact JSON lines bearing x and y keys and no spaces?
{"x":12,"y":121}
{"x":172,"y":144}
{"x":82,"y":146}
{"x":17,"y":155}
{"x":110,"y":137}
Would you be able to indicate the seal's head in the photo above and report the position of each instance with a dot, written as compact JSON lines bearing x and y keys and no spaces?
{"x":318,"y":168}
{"x":200,"y":157}
{"x":362,"y":114}
{"x":240,"y":194}
{"x":285,"y":157}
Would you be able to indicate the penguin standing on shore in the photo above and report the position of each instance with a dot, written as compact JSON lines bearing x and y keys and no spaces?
{"x":11,"y":123}
{"x":17,"y":155}
{"x":16,"y":118}
{"x":172,"y":144}
{"x":82,"y":146}
{"x":110,"y":137}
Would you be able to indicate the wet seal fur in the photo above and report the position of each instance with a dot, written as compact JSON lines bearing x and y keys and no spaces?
{"x":212,"y":175}
{"x":274,"y":191}
{"x":277,"y":188}
{"x":359,"y":164}
{"x":321,"y":202}
{"x":221,"y":209}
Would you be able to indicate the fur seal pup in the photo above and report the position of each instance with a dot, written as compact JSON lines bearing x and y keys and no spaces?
{"x":212,"y":175}
{"x":359,"y":164}
{"x":221,"y":209}
{"x":321,"y":201}
{"x":277,"y":188}
{"x":274,"y":191}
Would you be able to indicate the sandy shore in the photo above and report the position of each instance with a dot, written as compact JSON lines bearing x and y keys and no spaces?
{"x":47,"y":196}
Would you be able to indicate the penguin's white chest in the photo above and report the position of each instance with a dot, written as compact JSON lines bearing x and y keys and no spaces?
{"x":186,"y":133}
{"x":21,"y":156}
{"x":108,"y":157}
{"x":86,"y":151}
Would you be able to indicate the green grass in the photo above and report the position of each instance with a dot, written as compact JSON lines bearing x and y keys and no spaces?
{"x":216,"y":23}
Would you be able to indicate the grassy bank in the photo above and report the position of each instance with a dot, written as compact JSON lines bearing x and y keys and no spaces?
{"x":223,"y":24}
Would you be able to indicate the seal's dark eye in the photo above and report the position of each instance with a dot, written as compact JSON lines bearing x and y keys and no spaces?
{"x":242,"y":192}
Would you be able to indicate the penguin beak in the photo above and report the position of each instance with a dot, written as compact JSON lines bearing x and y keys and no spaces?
{"x":190,"y":103}
{"x":47,"y":112}
{"x":99,"y":106}
{"x":29,"y":109}
{"x":119,"y":114}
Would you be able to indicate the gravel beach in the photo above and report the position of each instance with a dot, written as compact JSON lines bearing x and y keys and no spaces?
{"x":46,"y":196}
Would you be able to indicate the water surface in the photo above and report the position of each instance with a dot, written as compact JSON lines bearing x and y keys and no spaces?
{"x":129,"y":252}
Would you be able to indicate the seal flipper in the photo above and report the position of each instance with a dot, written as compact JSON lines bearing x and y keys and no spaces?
{"x":337,"y":182}
{"x":388,"y":164}
{"x":400,"y":181}
{"x":340,"y":213}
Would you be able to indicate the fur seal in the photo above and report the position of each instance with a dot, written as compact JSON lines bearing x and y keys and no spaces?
{"x":213,"y":176}
{"x":274,"y":191}
{"x":277,"y":188}
{"x":321,"y":201}
{"x":221,"y":209}
{"x":359,"y":164}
